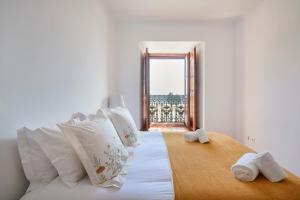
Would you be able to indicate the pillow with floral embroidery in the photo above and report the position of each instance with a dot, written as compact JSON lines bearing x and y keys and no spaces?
{"x":124,"y":124}
{"x":99,"y":148}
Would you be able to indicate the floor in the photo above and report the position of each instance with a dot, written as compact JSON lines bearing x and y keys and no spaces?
{"x":168,"y":127}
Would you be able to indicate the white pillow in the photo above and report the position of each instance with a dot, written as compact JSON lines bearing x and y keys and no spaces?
{"x":81,"y":116}
{"x":61,"y":154}
{"x":99,"y":149}
{"x":124,"y":125}
{"x":37,"y":167}
{"x":78,"y":116}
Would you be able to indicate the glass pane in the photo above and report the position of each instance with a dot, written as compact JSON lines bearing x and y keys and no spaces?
{"x":167,"y":76}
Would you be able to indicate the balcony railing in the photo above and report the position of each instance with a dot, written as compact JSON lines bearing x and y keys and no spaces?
{"x":167,"y":108}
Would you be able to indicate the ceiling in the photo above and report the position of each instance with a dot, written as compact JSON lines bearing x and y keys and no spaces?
{"x":179,"y":10}
{"x":170,"y":46}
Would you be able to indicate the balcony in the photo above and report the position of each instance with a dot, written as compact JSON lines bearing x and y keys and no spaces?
{"x":167,"y":108}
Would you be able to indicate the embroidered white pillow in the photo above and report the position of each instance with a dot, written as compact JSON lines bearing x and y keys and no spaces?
{"x":124,"y":125}
{"x":37,"y":167}
{"x":99,"y":149}
{"x":61,"y":154}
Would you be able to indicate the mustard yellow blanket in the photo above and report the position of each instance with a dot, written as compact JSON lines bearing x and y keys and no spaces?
{"x":202,"y":171}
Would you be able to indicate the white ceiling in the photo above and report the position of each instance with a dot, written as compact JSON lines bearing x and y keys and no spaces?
{"x":179,"y":10}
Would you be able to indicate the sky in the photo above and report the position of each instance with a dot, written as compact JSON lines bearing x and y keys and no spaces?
{"x":166,"y":75}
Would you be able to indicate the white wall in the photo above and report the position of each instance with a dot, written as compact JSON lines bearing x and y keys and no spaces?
{"x":219,"y":64}
{"x":55,"y":59}
{"x":269,"y":76}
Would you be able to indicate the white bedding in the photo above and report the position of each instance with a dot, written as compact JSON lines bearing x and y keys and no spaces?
{"x":149,"y":178}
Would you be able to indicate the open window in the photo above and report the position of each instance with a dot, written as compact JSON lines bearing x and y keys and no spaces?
{"x":169,"y":89}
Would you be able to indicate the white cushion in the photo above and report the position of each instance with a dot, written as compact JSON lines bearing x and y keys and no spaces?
{"x":79,"y":116}
{"x":116,"y":101}
{"x":124,"y":125}
{"x":61,"y":154}
{"x":99,"y":149}
{"x":37,"y":167}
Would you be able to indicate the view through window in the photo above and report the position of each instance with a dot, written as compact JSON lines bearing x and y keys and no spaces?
{"x":167,"y":90}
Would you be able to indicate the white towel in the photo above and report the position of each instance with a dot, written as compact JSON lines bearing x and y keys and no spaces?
{"x":190,"y":137}
{"x":202,"y":135}
{"x":269,"y":167}
{"x":245,"y":169}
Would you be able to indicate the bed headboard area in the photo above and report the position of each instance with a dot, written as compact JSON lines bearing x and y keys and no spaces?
{"x":13,"y":183}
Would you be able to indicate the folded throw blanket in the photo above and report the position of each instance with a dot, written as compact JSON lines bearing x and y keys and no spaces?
{"x":245,"y":169}
{"x":269,"y":167}
{"x":190,"y":137}
{"x":202,"y":135}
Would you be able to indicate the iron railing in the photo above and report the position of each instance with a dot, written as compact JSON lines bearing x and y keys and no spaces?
{"x":167,"y":108}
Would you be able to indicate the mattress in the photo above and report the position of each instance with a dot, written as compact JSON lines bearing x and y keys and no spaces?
{"x":149,"y":177}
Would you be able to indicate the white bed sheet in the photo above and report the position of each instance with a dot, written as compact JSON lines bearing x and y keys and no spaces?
{"x":149,"y":178}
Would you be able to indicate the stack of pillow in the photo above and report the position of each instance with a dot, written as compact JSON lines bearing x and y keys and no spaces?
{"x":95,"y":144}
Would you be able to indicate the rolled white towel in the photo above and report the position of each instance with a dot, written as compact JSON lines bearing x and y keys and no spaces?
{"x":245,"y":169}
{"x":202,"y":135}
{"x":190,"y":137}
{"x":269,"y":167}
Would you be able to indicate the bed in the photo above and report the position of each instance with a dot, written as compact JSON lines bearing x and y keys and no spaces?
{"x":202,"y":171}
{"x":165,"y":167}
{"x":149,"y":176}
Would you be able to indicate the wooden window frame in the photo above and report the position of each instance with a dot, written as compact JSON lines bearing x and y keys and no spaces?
{"x":167,"y":55}
{"x":146,"y":83}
